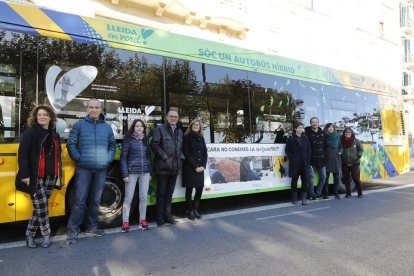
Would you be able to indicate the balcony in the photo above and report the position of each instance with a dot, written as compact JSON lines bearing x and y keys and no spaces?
{"x":407,"y":27}
{"x":408,"y":93}
{"x":408,"y":62}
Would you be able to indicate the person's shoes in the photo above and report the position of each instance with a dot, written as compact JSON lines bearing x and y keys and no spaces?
{"x":190,"y":215}
{"x":317,"y":196}
{"x":325,"y":197}
{"x":196,"y":214}
{"x":46,"y":241}
{"x":71,"y":236}
{"x":170,"y":221}
{"x":30,"y":242}
{"x":360,"y":195}
{"x":337,"y":196}
{"x":143,"y":224}
{"x":294,"y":202}
{"x":160,"y":223}
{"x":96,"y":231}
{"x":125,"y":227}
{"x":348,"y":196}
{"x":313,"y":197}
{"x":304,"y":202}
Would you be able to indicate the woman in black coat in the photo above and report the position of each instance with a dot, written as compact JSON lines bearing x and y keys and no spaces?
{"x":195,"y":152}
{"x":298,"y":151}
{"x":40,"y":167}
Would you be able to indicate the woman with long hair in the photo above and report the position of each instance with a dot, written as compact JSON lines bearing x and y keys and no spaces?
{"x":351,"y":155}
{"x":40,"y":167}
{"x":135,"y":165}
{"x":195,"y":152}
{"x":333,"y":153}
{"x":298,"y":152}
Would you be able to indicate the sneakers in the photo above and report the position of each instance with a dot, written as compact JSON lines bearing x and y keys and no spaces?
{"x":71,"y":236}
{"x":325,"y":197}
{"x":337,"y":196}
{"x":143,"y":225}
{"x":348,"y":196}
{"x":96,"y":231}
{"x":125,"y":227}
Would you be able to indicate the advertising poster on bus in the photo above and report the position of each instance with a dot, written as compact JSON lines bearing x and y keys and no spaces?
{"x":239,"y":168}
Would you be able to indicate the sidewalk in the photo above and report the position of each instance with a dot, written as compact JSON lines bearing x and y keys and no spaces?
{"x":403,"y":179}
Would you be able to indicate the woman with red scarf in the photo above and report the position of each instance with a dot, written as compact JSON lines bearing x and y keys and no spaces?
{"x":351,"y":155}
{"x":39,"y":169}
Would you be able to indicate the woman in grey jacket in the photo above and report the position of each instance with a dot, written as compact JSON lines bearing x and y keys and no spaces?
{"x":135,"y":165}
{"x":352,"y":152}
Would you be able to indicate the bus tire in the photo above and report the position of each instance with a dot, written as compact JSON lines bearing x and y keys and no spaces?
{"x":110,"y":211}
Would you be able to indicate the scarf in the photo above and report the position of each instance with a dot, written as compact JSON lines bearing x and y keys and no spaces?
{"x":347,"y":143}
{"x":139,"y":136}
{"x":332,"y":139}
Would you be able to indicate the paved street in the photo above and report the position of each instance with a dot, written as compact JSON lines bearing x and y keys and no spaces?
{"x":369,"y":236}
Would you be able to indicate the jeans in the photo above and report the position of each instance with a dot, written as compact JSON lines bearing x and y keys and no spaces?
{"x":89,"y":185}
{"x":321,"y":181}
{"x":165,"y":190}
{"x":129,"y":194}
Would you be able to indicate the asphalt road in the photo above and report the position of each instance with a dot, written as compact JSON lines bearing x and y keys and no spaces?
{"x":368,"y":236}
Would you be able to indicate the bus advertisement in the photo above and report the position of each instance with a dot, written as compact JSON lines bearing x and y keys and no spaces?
{"x":247,"y":101}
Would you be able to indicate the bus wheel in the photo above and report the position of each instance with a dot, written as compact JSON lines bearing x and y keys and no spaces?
{"x":111,"y":202}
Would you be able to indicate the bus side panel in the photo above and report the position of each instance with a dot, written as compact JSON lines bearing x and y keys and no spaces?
{"x":57,"y":200}
{"x":8,"y":168}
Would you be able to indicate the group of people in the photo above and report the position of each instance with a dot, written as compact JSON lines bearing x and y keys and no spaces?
{"x":91,"y":145}
{"x":312,"y":149}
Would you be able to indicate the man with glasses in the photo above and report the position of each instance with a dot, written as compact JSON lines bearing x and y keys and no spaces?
{"x":167,"y":145}
{"x":318,"y":157}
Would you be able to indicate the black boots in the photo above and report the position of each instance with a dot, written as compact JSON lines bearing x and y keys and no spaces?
{"x":190,"y":214}
{"x":30,"y":242}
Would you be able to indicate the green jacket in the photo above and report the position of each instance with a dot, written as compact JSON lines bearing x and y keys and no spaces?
{"x":352,"y":155}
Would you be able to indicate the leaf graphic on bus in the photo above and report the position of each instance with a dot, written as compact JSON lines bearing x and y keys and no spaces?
{"x":146,"y":33}
{"x":262,"y":108}
{"x":70,"y":85}
{"x":280,"y":103}
{"x":271,"y":100}
{"x":149,"y":109}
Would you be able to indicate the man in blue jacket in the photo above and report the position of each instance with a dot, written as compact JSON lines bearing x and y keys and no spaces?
{"x":91,"y":144}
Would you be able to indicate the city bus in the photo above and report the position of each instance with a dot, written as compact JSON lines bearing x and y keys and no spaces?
{"x":247,"y":101}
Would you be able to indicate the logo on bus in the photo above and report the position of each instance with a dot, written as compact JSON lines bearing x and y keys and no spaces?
{"x":69,"y":85}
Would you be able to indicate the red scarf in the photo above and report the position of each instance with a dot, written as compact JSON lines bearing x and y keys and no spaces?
{"x":41,"y":173}
{"x":347,"y":143}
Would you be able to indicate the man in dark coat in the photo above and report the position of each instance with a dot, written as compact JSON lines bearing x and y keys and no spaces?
{"x":317,"y":142}
{"x":167,"y":145}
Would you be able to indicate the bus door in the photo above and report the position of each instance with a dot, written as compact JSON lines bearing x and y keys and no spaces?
{"x":18,"y":95}
{"x":8,"y":148}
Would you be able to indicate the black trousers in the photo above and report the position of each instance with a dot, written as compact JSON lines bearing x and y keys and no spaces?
{"x":165,"y":190}
{"x":197,"y":198}
{"x":348,"y":172}
{"x":303,"y":177}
